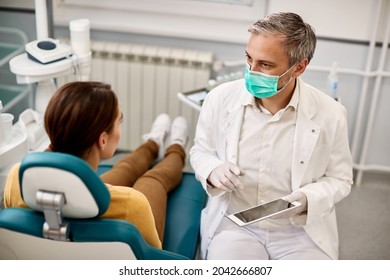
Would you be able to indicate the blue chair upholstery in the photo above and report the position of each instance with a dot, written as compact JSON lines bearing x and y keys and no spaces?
{"x":182,"y":226}
{"x":21,"y":230}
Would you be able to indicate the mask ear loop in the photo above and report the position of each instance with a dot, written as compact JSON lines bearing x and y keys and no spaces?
{"x":278,"y":76}
{"x":279,"y":90}
{"x":287,"y":70}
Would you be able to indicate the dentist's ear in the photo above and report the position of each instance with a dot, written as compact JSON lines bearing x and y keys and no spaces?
{"x":300,"y":67}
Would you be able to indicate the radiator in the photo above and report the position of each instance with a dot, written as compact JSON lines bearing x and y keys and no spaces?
{"x":147,"y":79}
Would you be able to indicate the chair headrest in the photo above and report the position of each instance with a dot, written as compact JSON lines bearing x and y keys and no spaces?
{"x":86,"y":196}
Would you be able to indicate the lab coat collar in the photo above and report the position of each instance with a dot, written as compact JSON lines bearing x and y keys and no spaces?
{"x":309,"y":106}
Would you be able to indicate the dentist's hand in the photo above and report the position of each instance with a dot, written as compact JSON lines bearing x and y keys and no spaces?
{"x":225,"y":177}
{"x":299,"y":197}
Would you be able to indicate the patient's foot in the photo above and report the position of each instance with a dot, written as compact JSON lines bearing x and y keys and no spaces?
{"x":179,"y":131}
{"x":159,"y":132}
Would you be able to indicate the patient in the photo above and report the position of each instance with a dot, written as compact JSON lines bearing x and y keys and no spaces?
{"x":84,"y":119}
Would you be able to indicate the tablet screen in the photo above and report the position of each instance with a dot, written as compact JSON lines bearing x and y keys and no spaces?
{"x":263,"y":210}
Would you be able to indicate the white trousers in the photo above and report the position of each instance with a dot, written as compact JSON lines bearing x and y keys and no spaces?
{"x":232,"y":242}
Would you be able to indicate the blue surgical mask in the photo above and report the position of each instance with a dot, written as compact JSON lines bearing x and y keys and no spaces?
{"x":261,"y":85}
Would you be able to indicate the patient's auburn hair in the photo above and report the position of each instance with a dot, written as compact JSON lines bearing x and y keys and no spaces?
{"x":77,"y":114}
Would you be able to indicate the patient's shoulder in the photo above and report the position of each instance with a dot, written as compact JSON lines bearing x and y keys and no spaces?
{"x":12,"y":196}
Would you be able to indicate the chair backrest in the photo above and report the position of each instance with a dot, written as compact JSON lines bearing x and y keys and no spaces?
{"x":66,"y":197}
{"x":86,"y":194}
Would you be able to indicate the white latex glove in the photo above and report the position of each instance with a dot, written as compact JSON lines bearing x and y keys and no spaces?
{"x":295,"y":196}
{"x":225,"y":177}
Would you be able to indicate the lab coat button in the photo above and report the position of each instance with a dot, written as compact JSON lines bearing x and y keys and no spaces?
{"x":302,"y":162}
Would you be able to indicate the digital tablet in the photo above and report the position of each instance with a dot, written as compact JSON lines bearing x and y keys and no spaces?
{"x":263,"y":211}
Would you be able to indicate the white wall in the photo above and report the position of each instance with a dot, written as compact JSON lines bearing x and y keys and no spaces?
{"x":345,"y":19}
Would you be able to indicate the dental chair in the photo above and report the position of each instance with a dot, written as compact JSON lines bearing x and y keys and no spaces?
{"x":66,"y":196}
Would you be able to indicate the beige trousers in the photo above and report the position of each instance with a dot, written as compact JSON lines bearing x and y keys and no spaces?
{"x":155,"y":183}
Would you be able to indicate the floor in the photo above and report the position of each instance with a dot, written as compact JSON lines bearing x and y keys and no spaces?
{"x":364,"y":220}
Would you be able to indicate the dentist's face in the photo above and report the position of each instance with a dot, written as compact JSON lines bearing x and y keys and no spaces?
{"x":266,"y":54}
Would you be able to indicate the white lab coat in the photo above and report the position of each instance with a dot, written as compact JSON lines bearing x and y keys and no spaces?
{"x":321,"y":166}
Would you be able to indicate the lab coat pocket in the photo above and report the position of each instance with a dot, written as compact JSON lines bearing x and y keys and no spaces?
{"x":318,"y":163}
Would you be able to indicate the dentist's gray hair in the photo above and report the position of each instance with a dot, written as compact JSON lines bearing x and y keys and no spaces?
{"x":299,"y":37}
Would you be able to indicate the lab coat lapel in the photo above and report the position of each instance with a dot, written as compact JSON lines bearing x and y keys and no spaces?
{"x":232,"y":130}
{"x":305,"y":139}
{"x":306,"y":136}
